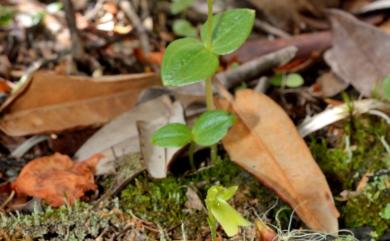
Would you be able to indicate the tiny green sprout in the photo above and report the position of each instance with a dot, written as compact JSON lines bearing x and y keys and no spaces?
{"x":190,"y":60}
{"x":182,"y":27}
{"x":179,"y":6}
{"x":291,"y":80}
{"x":385,"y":214}
{"x":386,"y":88}
{"x":208,"y":130}
{"x":220,"y":211}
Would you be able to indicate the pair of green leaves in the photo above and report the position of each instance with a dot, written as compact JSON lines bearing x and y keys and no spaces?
{"x":190,"y":60}
{"x":291,"y":80}
{"x":220,"y":211}
{"x":208,"y":130}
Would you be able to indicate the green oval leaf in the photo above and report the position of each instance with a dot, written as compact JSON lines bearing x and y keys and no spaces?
{"x":172,"y":135}
{"x":386,"y":88}
{"x":211,"y":127}
{"x":294,"y":80}
{"x":187,"y":61}
{"x":178,"y":6}
{"x":182,"y":27}
{"x":230,"y":30}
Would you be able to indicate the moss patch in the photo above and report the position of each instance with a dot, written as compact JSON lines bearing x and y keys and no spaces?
{"x":163,"y":201}
{"x":345,"y":164}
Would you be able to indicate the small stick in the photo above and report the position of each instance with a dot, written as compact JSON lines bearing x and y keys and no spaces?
{"x":78,"y":52}
{"x":268,"y":28}
{"x":128,"y":8}
{"x":256,"y":67}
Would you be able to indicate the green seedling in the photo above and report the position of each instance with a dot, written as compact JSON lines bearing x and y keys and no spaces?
{"x":220,"y":211}
{"x":208,"y":130}
{"x":191,"y":60}
{"x":386,"y":88}
{"x":291,"y":80}
{"x":179,"y":6}
{"x":182,"y":27}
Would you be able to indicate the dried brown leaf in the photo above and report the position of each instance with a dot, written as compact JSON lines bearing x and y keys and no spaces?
{"x":360,"y":52}
{"x":265,"y":142}
{"x":50,"y":102}
{"x":57,"y":179}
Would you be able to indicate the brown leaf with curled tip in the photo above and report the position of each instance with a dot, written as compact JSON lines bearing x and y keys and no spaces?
{"x":57,"y":179}
{"x":265,"y":142}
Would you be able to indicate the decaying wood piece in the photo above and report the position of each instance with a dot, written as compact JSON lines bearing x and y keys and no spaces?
{"x":254,"y":68}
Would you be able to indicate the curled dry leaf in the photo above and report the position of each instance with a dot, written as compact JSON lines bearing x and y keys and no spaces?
{"x":57,"y":179}
{"x":50,"y":102}
{"x":265,"y":142}
{"x":157,"y":159}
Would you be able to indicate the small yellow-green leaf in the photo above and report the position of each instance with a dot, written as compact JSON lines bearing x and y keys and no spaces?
{"x":294,"y":80}
{"x":187,"y":61}
{"x":222,"y":212}
{"x":211,"y":127}
{"x":229,"y":31}
{"x":228,"y":217}
{"x":386,"y":88}
{"x":172,"y":135}
{"x":182,"y":27}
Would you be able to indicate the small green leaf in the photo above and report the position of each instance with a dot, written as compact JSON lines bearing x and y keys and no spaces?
{"x":386,"y":88}
{"x":385,"y":213}
{"x":187,"y":61}
{"x":6,"y":15}
{"x":226,"y":215}
{"x":172,"y":135}
{"x":294,"y":80}
{"x":230,"y":30}
{"x":211,"y":127}
{"x":182,"y":27}
{"x":178,"y":6}
{"x":277,"y":80}
{"x":291,"y":80}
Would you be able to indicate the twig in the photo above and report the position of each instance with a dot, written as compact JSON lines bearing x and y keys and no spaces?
{"x":78,"y":52}
{"x":254,"y":68}
{"x":268,"y":28}
{"x":128,"y":8}
{"x":306,"y":44}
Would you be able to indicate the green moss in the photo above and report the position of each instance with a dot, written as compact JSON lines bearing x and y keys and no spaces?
{"x":160,"y":201}
{"x":163,"y":201}
{"x":366,"y":209}
{"x":78,"y":222}
{"x":345,"y":164}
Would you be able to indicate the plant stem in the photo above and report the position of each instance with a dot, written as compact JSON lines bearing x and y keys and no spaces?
{"x":209,"y":84}
{"x":191,"y":155}
{"x":210,"y":23}
{"x":211,"y":106}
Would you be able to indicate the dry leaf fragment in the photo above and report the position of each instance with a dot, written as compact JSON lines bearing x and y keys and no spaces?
{"x":113,"y":142}
{"x":360,"y":53}
{"x":57,"y":179}
{"x":50,"y":102}
{"x":157,"y":159}
{"x":265,"y":142}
